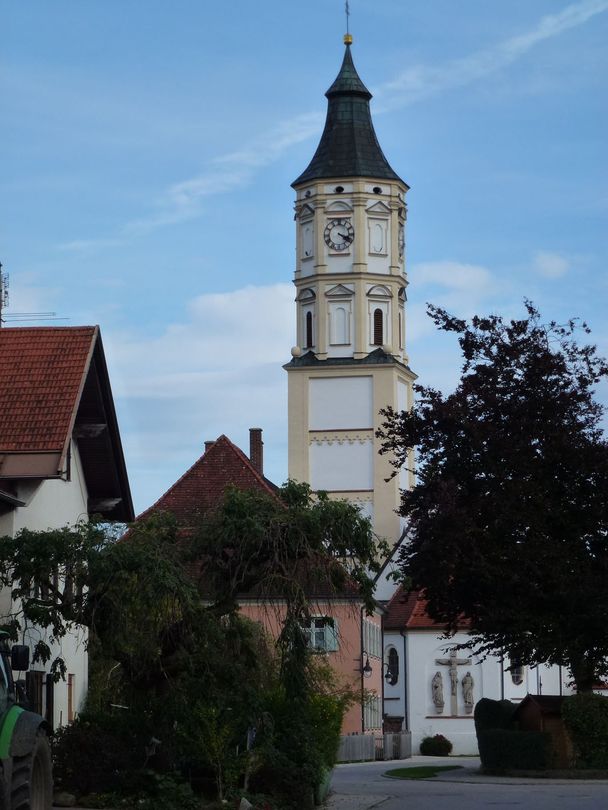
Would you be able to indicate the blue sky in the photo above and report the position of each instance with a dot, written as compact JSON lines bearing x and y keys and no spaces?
{"x":148,"y":150}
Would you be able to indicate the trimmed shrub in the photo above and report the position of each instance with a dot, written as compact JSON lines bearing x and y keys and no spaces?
{"x":586,"y":719}
{"x":506,"y":749}
{"x":95,"y":755}
{"x":491,"y":714}
{"x":437,"y":746}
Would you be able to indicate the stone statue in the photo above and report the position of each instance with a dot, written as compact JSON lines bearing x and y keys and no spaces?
{"x":467,"y":692}
{"x":437,"y":692}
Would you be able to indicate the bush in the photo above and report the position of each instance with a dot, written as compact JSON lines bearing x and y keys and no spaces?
{"x":437,"y":746}
{"x":490,"y":714}
{"x":586,"y":719}
{"x":505,"y":749}
{"x":94,"y":756}
{"x":298,"y":746}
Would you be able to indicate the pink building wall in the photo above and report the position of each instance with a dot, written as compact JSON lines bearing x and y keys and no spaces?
{"x":347,"y":661}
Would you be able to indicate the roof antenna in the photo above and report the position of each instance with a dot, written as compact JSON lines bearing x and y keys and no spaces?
{"x":348,"y":39}
{"x":19,"y":316}
{"x":3,"y":293}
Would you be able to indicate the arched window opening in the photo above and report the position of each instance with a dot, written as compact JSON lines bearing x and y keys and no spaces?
{"x":517,"y":670}
{"x":400,"y":330}
{"x":378,"y":328}
{"x":392,"y":671}
{"x":309,"y":336}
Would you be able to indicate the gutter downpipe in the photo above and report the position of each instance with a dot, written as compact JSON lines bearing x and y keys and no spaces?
{"x":406,"y":714}
{"x":361,"y":673}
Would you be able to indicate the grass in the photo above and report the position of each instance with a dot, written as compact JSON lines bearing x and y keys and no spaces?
{"x":420,"y":772}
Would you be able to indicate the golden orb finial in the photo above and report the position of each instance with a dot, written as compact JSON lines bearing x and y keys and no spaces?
{"x":348,"y":39}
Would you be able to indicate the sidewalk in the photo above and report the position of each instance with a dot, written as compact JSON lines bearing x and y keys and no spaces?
{"x":354,"y":802}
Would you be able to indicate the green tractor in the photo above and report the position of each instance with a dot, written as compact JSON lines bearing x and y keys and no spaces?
{"x":26,"y":781}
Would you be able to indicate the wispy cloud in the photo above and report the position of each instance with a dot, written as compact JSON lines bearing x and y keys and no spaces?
{"x":88,"y":245}
{"x":550,"y":265}
{"x":227,"y":172}
{"x":459,"y":287}
{"x":421,"y":81}
{"x":184,"y":200}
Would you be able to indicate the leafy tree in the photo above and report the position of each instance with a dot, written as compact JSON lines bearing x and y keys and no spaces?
{"x":509,"y":516}
{"x":135,"y":596}
{"x":161,"y":604}
{"x":293,"y":545}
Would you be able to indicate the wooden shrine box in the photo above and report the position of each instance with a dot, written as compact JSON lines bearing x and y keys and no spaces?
{"x":543,"y":713}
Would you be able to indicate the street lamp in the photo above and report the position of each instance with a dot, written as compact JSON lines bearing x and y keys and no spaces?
{"x":366,"y":669}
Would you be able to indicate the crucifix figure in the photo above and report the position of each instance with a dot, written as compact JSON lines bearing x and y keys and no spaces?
{"x":453,"y":662}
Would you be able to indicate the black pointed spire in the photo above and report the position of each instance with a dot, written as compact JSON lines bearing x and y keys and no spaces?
{"x":348,"y":146}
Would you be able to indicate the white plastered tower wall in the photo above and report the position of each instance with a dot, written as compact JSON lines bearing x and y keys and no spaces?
{"x":53,"y":504}
{"x":350,"y":360}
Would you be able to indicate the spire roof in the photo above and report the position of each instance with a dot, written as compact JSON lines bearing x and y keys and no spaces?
{"x":348,"y":146}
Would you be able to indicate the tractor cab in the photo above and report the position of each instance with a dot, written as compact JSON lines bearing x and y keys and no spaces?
{"x":25,"y":758}
{"x":15,"y":659}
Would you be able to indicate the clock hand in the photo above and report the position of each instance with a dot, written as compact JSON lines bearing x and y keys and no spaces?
{"x":346,"y":236}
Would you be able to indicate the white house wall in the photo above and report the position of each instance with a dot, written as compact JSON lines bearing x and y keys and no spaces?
{"x":422,"y":648}
{"x":394,"y":694}
{"x":53,"y":504}
{"x":491,"y":680}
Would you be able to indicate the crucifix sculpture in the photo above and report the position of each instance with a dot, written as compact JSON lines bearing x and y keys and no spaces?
{"x":453,"y":662}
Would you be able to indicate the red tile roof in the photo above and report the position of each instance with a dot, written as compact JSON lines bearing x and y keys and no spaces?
{"x":202,"y":486}
{"x":408,"y":611}
{"x":42,"y":371}
{"x":54,"y":385}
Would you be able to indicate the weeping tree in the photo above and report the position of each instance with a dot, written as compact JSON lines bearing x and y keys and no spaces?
{"x":508,"y":520}
{"x":162,"y":607}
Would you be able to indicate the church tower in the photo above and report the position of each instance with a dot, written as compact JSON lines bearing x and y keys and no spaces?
{"x":350,"y":359}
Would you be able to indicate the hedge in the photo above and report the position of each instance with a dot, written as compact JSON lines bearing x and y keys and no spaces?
{"x":505,"y":749}
{"x":586,"y":719}
{"x":491,"y":714}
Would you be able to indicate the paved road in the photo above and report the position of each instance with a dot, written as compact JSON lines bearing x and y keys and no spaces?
{"x":361,"y":787}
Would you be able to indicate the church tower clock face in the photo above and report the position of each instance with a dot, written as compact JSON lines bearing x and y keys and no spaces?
{"x":339,"y":234}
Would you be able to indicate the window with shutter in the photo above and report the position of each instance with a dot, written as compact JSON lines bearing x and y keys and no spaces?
{"x":378,"y":328}
{"x":309,"y":335}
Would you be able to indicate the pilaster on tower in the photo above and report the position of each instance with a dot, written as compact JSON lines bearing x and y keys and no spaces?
{"x":350,"y":359}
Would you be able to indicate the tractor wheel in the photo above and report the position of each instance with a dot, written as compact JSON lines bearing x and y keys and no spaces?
{"x":32,"y":783}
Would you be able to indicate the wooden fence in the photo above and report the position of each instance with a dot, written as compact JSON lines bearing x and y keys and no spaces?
{"x":364,"y":747}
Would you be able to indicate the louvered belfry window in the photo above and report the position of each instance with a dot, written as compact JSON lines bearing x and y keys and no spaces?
{"x":378,"y":337}
{"x":309,"y":338}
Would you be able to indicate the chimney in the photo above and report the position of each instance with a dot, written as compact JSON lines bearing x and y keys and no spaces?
{"x":209,"y":443}
{"x":256,"y":449}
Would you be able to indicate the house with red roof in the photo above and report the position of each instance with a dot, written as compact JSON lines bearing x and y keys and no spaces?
{"x":353,"y":645}
{"x":61,"y":461}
